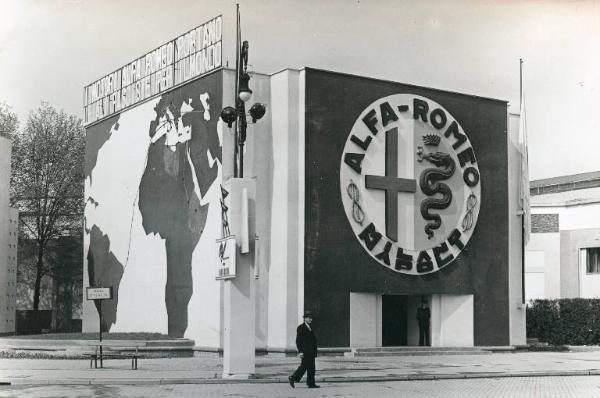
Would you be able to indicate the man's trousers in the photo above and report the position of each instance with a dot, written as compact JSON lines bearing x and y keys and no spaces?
{"x":307,"y":365}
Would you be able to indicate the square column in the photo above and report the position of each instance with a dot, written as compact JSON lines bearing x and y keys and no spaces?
{"x":239,"y":307}
{"x":365,"y":320}
{"x":452,"y":320}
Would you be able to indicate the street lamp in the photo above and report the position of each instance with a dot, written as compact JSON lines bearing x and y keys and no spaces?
{"x":230,"y":114}
{"x":239,"y":348}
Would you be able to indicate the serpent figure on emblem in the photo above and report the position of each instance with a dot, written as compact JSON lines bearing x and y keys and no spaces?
{"x":430,"y":185}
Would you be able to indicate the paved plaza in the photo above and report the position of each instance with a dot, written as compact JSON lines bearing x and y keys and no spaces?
{"x":506,"y":374}
{"x":516,"y":387}
{"x":330,"y":369}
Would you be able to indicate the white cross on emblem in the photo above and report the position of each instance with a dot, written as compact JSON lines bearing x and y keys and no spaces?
{"x":391,"y":184}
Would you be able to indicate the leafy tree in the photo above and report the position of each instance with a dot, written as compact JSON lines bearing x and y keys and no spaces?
{"x":47,"y":183}
{"x":66,"y":272}
{"x":9,"y":123}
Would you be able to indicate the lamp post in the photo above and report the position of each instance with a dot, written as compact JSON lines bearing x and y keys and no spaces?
{"x":239,"y":319}
{"x":238,"y":114}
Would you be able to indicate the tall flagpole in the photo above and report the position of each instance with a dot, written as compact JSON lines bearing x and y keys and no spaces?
{"x":237,"y":82}
{"x":522,"y":193}
{"x":520,"y":81}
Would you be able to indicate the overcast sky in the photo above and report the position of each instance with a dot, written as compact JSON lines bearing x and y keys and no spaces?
{"x":49,"y":50}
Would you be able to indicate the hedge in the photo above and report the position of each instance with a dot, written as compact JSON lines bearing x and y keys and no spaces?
{"x":564,"y":321}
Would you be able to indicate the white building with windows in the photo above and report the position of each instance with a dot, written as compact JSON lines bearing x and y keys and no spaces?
{"x":8,"y":244}
{"x":562,"y":258}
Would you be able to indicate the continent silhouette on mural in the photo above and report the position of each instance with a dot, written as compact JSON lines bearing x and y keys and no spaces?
{"x":180,"y":168}
{"x":104,"y":269}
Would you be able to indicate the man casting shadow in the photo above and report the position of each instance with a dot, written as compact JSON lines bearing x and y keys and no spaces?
{"x":306,"y":342}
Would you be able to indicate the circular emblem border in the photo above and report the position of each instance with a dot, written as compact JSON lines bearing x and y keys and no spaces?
{"x":380,"y":117}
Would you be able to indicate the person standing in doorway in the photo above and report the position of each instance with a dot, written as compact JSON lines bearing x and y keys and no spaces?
{"x":306,"y":342}
{"x":423,"y":316}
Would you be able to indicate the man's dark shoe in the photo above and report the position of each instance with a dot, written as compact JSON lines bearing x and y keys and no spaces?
{"x":314,"y":386}
{"x":291,"y":380}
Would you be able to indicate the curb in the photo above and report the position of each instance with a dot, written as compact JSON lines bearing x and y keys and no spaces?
{"x":324,"y":379}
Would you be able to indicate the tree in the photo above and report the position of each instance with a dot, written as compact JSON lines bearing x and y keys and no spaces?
{"x":47,"y":182}
{"x":9,"y":123}
{"x":66,"y":272}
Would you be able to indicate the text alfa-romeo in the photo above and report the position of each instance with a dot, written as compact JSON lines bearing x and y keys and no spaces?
{"x":410,"y":184}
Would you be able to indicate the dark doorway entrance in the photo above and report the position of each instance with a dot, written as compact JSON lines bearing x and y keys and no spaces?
{"x":394,"y":320}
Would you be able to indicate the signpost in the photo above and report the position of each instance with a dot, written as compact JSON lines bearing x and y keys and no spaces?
{"x":98,"y":294}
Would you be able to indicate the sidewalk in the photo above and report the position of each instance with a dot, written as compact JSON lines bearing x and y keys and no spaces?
{"x":274,"y":369}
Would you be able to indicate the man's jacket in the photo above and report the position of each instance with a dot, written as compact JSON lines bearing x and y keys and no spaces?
{"x":306,"y":341}
{"x":423,"y":316}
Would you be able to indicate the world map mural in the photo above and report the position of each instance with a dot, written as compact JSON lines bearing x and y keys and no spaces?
{"x":152,"y":214}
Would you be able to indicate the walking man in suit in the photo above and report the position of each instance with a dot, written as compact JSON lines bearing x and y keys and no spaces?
{"x":306,"y":342}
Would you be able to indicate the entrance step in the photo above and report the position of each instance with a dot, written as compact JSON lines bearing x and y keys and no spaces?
{"x":408,"y":351}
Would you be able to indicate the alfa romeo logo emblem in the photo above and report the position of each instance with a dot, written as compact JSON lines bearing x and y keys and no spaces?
{"x":410,"y":184}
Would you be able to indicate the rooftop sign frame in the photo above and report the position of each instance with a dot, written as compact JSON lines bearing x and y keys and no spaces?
{"x":190,"y":55}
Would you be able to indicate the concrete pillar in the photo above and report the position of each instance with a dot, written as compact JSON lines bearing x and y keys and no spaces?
{"x":286,"y":256}
{"x":452,"y":320}
{"x":365,"y":320}
{"x":239,"y":307}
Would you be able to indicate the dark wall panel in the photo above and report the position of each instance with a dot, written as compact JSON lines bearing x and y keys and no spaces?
{"x":336,"y":264}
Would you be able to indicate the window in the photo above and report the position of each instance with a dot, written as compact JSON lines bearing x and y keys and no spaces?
{"x":593,"y":260}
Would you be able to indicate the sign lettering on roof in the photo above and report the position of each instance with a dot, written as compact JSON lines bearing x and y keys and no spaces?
{"x":193,"y":54}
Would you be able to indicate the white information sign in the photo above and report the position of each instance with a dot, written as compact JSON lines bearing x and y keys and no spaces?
{"x":225,"y":258}
{"x":98,"y":293}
